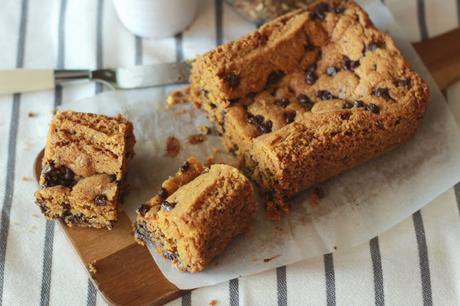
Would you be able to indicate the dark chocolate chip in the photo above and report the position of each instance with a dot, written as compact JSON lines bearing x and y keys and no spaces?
{"x":255,"y":120}
{"x":311,"y":67}
{"x":374,"y":46}
{"x":274,"y":77}
{"x":310,"y":77}
{"x":319,"y":11}
{"x":273,"y":92}
{"x":289,"y":116}
{"x":266,"y":127}
{"x":141,"y":232}
{"x":325,"y":95}
{"x":371,"y":107}
{"x":100,"y":200}
{"x":204,"y":92}
{"x":347,"y":105}
{"x":234,"y":101}
{"x":283,"y":103}
{"x":213,"y":106}
{"x":382,"y":92}
{"x":143,"y":209}
{"x":251,"y":96}
{"x":42,"y":205}
{"x":163,"y":193}
{"x":305,"y":101}
{"x":232,"y":80}
{"x":170,"y":255}
{"x":332,"y":71}
{"x":58,"y":176}
{"x":168,"y":206}
{"x":350,"y":65}
{"x":358,"y":103}
{"x":339,"y":10}
{"x":184,"y":166}
{"x":402,"y":83}
{"x":309,"y":47}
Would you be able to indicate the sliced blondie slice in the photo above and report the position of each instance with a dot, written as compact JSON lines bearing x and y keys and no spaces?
{"x":196,"y":214}
{"x":84,"y":167}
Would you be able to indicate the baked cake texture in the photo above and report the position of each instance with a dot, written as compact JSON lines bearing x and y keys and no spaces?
{"x":84,"y":167}
{"x":196,"y":214}
{"x":309,"y":95}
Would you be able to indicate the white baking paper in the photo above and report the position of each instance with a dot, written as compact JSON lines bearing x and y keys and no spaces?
{"x":358,"y":206}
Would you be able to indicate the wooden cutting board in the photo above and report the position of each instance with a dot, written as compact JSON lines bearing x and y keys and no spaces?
{"x":126,"y":273}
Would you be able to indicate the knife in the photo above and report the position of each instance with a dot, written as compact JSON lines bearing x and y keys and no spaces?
{"x":27,"y":80}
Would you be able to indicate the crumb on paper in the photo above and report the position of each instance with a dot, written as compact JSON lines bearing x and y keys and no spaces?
{"x":335,"y":248}
{"x":271,"y":258}
{"x":172,"y":146}
{"x":197,"y":138}
{"x":32,"y":114}
{"x":179,"y":96}
{"x":26,"y":178}
{"x":212,"y":302}
{"x":92,"y":267}
{"x":315,"y":196}
{"x":204,"y":129}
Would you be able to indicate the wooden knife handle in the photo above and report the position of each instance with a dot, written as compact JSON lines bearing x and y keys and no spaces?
{"x":441,"y":55}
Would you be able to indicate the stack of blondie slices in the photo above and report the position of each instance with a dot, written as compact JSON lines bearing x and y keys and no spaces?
{"x":309,"y":95}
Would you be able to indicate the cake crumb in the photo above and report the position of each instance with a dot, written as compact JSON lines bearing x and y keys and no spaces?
{"x":197,"y":138}
{"x":213,"y":303}
{"x":172,"y":146}
{"x":32,"y":114}
{"x":26,"y":178}
{"x":179,"y":96}
{"x":204,"y":129}
{"x":271,"y":258}
{"x":92,"y":267}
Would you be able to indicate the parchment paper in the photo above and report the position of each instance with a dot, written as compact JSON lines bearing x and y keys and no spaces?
{"x":358,"y":205}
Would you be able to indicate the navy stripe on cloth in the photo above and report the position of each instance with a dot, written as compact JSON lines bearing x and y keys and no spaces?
{"x":11,"y":160}
{"x":179,"y":48}
{"x":91,"y":294}
{"x":138,"y":42}
{"x":234,"y":292}
{"x":187,"y":299}
{"x":219,"y":13}
{"x":99,"y":42}
{"x":378,"y":272}
{"x":423,"y":258}
{"x":330,"y":279}
{"x":281,"y":286}
{"x":457,"y":196}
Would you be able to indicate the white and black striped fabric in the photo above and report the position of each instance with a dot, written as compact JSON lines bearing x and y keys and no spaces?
{"x":415,"y":263}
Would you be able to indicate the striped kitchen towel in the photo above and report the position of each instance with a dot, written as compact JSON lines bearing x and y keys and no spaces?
{"x":417,"y":262}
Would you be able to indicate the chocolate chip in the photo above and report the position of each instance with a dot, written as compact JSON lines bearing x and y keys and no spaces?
{"x":274,"y":77}
{"x":232,"y":80}
{"x":255,"y":120}
{"x":234,"y":101}
{"x":266,"y":127}
{"x":350,"y":65}
{"x":347,"y":105}
{"x":402,"y":83}
{"x":382,"y":92}
{"x":373,"y":46}
{"x":310,"y":77}
{"x":273,"y":92}
{"x":58,"y":176}
{"x":141,"y":232}
{"x":251,"y":96}
{"x":358,"y":103}
{"x":371,"y":107}
{"x":204,"y":92}
{"x":325,"y":95}
{"x":184,"y":166}
{"x":289,"y":116}
{"x":170,"y":255}
{"x":305,"y":101}
{"x":42,"y":205}
{"x":213,"y":106}
{"x":163,"y":193}
{"x":100,"y":200}
{"x":143,"y":209}
{"x":311,"y":67}
{"x":319,"y":192}
{"x":283,"y":103}
{"x":309,"y":47}
{"x":332,"y":71}
{"x":339,"y":10}
{"x":320,"y":11}
{"x":168,"y":206}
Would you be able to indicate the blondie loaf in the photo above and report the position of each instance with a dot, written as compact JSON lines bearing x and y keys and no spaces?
{"x":196,"y":214}
{"x":84,"y":167}
{"x":309,"y":95}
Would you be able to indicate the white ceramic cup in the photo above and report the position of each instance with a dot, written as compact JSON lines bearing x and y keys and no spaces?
{"x":156,"y":18}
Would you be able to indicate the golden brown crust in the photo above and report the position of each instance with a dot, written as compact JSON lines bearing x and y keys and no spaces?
{"x":326,"y":91}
